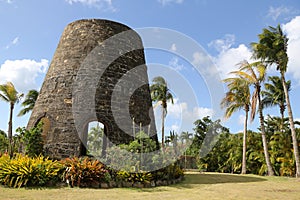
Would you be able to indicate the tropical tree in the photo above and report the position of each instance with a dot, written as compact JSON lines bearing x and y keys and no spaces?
{"x":3,"y":142}
{"x":273,"y":95}
{"x":29,"y":102}
{"x":237,"y":98}
{"x":255,"y":74}
{"x":185,"y":136}
{"x":161,"y":94}
{"x":173,"y":138}
{"x":272,"y":49}
{"x":9,"y":94}
{"x":95,"y":140}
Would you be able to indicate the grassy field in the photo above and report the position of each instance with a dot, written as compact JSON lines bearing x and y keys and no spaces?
{"x":195,"y":186}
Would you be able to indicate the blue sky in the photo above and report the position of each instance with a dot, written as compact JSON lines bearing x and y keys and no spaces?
{"x":31,"y":30}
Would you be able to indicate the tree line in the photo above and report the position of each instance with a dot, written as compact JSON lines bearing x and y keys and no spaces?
{"x":247,"y":91}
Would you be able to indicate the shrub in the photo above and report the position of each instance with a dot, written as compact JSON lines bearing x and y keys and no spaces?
{"x":32,"y":139}
{"x":141,"y":177}
{"x":23,"y":171}
{"x":84,"y":172}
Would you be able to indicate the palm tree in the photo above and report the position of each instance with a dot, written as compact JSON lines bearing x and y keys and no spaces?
{"x":274,"y":94}
{"x":161,"y":94}
{"x":9,"y":94}
{"x":272,"y":49}
{"x":255,"y":74}
{"x":95,"y":140}
{"x":185,"y":136}
{"x":29,"y":102}
{"x":237,"y":98}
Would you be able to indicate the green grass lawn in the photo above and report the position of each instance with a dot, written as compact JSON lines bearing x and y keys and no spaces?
{"x":195,"y":186}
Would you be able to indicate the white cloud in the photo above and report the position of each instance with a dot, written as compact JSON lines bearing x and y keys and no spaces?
{"x":173,"y":47}
{"x":23,"y":73}
{"x":200,"y":58}
{"x":292,"y":30}
{"x":181,"y":116}
{"x":228,"y":57}
{"x":223,"y":44}
{"x":165,"y":2}
{"x":227,"y":60}
{"x":274,"y":13}
{"x":13,"y":42}
{"x":100,"y":4}
{"x":174,"y":63}
{"x":181,"y":110}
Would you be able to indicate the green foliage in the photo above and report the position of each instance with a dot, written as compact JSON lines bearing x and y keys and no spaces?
{"x":205,"y":127}
{"x":23,"y":171}
{"x":94,"y":142}
{"x":29,"y":102}
{"x":3,"y":142}
{"x":142,"y":177}
{"x":84,"y":172}
{"x":33,"y":140}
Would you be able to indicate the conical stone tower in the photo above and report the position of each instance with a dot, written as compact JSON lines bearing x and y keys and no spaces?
{"x":98,"y":73}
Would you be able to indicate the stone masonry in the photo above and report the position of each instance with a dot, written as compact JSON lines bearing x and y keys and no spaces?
{"x":98,"y":73}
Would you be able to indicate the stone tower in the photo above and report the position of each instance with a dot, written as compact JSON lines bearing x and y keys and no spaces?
{"x":98,"y":73}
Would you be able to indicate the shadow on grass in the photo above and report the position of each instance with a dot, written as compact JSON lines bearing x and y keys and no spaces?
{"x":192,"y":180}
{"x":198,"y":179}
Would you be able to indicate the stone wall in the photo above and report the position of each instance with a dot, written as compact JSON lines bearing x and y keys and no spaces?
{"x":98,"y":73}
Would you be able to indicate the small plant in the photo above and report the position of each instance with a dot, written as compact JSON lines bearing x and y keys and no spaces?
{"x":84,"y":172}
{"x":24,"y":171}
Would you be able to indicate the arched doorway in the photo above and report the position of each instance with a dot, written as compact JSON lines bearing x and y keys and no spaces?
{"x":94,"y":143}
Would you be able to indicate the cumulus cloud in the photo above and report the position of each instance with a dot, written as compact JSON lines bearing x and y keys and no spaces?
{"x":185,"y":114}
{"x":166,"y":2}
{"x":292,"y":30}
{"x":174,"y":63}
{"x":229,"y":56}
{"x":223,"y":44}
{"x":23,"y":73}
{"x":100,"y":4}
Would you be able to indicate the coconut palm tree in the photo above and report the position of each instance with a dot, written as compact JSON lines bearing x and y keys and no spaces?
{"x":255,"y":74}
{"x":274,"y":94}
{"x":161,"y":94}
{"x":272,"y":49}
{"x":9,"y":94}
{"x":29,"y":102}
{"x":237,"y":98}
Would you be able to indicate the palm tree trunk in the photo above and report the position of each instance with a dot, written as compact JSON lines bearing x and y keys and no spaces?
{"x":292,"y":126}
{"x":163,"y":128}
{"x":10,"y":147}
{"x":282,"y":109}
{"x":244,"y":161}
{"x":104,"y":142}
{"x":263,"y":136}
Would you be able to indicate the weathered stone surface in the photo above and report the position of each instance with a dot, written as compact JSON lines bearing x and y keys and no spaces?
{"x":98,"y":73}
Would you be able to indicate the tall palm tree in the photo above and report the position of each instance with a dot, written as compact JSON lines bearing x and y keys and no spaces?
{"x":161,"y":94}
{"x":29,"y":102}
{"x":9,"y":94}
{"x":237,"y":98}
{"x":272,"y":49}
{"x":185,"y":136}
{"x":274,"y":94}
{"x":255,"y":74}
